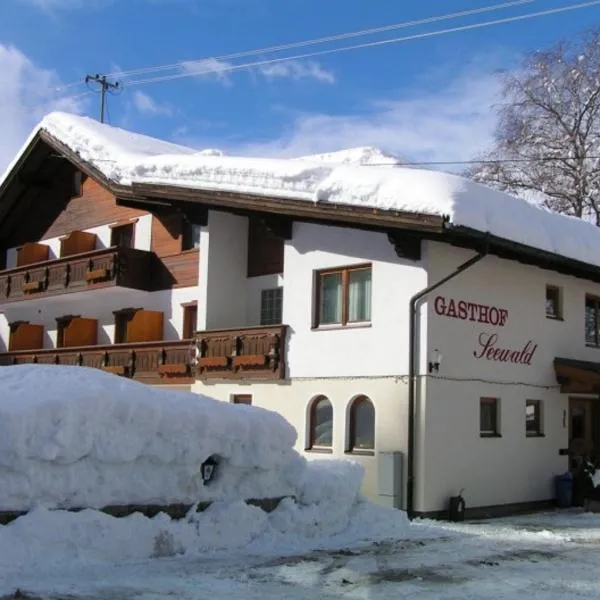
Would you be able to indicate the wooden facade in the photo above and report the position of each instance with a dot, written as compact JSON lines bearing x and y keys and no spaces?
{"x":112,"y":267}
{"x":94,"y":207}
{"x":150,"y":362}
{"x":250,"y":353}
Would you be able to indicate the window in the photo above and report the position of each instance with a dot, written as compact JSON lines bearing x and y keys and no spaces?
{"x":190,"y":320}
{"x":122,"y":235}
{"x":242,"y":399}
{"x":592,"y":321}
{"x":533,"y":418}
{"x":553,"y":303}
{"x":271,"y":306}
{"x":190,"y":237}
{"x":344,"y":296}
{"x":362,"y":425}
{"x":320,"y":424}
{"x":488,"y":417}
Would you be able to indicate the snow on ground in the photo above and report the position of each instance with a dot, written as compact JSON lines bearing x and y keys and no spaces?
{"x":341,"y":178}
{"x":551,"y":556}
{"x":77,"y":437}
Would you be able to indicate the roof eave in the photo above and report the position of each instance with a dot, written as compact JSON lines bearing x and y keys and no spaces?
{"x":294,"y":208}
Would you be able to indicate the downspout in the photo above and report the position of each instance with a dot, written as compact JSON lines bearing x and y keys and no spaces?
{"x":412,"y":372}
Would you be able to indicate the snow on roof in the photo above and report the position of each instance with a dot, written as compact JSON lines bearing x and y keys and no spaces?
{"x":79,"y":437}
{"x":125,"y":157}
{"x":365,"y":155}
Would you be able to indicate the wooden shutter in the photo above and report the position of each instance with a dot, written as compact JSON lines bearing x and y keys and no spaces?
{"x":25,"y":336}
{"x":81,"y":332}
{"x":265,"y":250}
{"x":77,"y":242}
{"x":32,"y":253}
{"x":145,"y":326}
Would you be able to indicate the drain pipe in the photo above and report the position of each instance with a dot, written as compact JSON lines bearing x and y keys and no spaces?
{"x":412,"y":374}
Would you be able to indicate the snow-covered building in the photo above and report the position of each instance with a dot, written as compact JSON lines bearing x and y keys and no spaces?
{"x":443,"y":334}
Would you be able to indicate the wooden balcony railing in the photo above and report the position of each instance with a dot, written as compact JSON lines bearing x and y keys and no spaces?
{"x":151,"y":362}
{"x":108,"y":267}
{"x":248,"y":353}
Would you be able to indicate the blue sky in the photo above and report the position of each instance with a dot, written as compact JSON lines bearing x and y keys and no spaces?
{"x":426,"y":99}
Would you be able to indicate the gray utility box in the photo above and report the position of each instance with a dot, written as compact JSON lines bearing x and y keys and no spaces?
{"x":390,"y":479}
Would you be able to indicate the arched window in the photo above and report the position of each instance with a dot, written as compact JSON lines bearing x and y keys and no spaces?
{"x":320,"y":423}
{"x":362,"y":425}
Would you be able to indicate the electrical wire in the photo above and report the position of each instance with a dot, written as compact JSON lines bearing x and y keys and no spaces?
{"x":490,"y":161}
{"x":324,"y":40}
{"x":473,"y":26}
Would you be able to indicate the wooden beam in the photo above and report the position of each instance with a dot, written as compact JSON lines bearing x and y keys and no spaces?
{"x":324,"y":212}
{"x":405,"y":245}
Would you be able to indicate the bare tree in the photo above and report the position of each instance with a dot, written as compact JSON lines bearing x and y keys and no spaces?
{"x":548,"y":135}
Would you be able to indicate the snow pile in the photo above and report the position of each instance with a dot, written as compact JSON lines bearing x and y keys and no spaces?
{"x":46,"y":540}
{"x":78,"y":437}
{"x":72,"y":437}
{"x":340,"y":178}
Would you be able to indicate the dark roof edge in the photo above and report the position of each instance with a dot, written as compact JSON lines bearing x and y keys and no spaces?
{"x":503,"y":248}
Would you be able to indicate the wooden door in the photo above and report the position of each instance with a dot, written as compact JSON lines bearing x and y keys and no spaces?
{"x":583,"y":430}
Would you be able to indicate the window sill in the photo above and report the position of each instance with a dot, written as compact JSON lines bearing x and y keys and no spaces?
{"x":554,"y":318}
{"x":535,"y":435}
{"x":490,"y":435}
{"x":317,"y":450}
{"x":359,"y":452}
{"x":338,"y":327}
{"x":596,"y":346}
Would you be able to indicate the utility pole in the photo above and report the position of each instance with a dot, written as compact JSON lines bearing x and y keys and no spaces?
{"x":104,"y":85}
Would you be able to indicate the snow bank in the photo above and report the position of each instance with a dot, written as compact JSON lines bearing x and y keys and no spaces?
{"x":46,"y":540}
{"x":78,"y":437}
{"x":337,"y":177}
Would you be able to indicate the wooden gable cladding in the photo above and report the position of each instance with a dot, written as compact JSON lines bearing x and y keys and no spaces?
{"x":265,"y":249}
{"x":31,"y":253}
{"x":167,"y":229}
{"x":77,"y":242}
{"x":167,"y":238}
{"x":95,"y":206}
{"x":77,"y":331}
{"x":25,"y":336}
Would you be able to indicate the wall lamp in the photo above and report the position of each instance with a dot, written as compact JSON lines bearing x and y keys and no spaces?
{"x":435,"y":361}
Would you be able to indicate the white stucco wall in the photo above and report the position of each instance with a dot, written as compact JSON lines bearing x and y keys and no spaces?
{"x":292,"y":401}
{"x":512,"y":468}
{"x":142,"y":239}
{"x":223,"y":248}
{"x":99,"y":304}
{"x":377,"y":350}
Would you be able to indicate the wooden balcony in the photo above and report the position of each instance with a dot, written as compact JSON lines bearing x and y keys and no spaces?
{"x":166,"y":362}
{"x":256,"y":353}
{"x":108,"y":267}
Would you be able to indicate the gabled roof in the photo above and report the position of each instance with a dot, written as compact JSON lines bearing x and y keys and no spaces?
{"x":141,"y":166}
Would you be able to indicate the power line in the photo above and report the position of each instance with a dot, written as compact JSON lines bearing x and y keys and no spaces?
{"x":105,"y":85}
{"x":229,"y":68}
{"x":323,"y":40}
{"x":490,"y":161}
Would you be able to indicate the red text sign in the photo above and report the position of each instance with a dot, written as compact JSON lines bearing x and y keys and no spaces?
{"x":491,"y":350}
{"x":462,"y":309}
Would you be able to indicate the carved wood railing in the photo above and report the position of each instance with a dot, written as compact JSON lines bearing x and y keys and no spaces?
{"x":156,"y":362}
{"x":248,"y":353}
{"x":126,"y":267}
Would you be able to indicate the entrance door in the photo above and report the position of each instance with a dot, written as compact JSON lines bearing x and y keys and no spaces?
{"x":582,"y":431}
